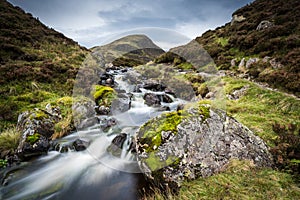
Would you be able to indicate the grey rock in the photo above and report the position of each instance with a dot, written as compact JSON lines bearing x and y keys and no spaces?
{"x":236,"y":94}
{"x":152,"y":99}
{"x":88,"y":123}
{"x":263,"y":25}
{"x":80,"y":145}
{"x":36,"y":126}
{"x":275,"y":64}
{"x":202,"y":146}
{"x":251,"y":61}
{"x":242,"y":63}
{"x":121,"y":104}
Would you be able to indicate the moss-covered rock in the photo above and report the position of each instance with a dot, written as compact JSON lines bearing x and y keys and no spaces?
{"x":103,"y":95}
{"x":197,"y":142}
{"x":36,"y":127}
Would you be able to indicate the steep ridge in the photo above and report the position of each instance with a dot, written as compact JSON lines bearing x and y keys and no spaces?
{"x":37,"y":62}
{"x":261,"y":42}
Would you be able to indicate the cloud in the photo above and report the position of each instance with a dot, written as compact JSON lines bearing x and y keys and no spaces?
{"x":90,"y":22}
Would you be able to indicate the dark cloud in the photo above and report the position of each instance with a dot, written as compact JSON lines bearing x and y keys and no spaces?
{"x":90,"y":21}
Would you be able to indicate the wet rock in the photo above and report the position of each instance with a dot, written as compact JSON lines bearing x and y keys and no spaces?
{"x":153,"y":86}
{"x":83,"y":110}
{"x":80,"y":145}
{"x":106,"y":123}
{"x":263,"y":25}
{"x":165,"y":98}
{"x":107,"y":79}
{"x":152,"y":99}
{"x":201,"y":145}
{"x":88,"y":123}
{"x":36,"y":126}
{"x":102,"y":110}
{"x":116,"y":145}
{"x":121,"y":104}
{"x":164,"y":108}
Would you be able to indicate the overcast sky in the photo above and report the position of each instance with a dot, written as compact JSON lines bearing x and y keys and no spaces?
{"x":167,"y":22}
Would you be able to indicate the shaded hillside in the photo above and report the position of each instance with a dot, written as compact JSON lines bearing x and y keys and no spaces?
{"x":130,"y":51}
{"x":267,"y":29}
{"x":37,"y":63}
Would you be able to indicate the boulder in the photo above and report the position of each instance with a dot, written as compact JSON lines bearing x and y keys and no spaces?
{"x":265,"y":24}
{"x":80,"y":145}
{"x":83,"y":110}
{"x":152,"y":99}
{"x":88,"y":123}
{"x":107,"y":79}
{"x":197,"y":142}
{"x":102,"y":110}
{"x":37,"y":127}
{"x":251,"y":61}
{"x":121,"y":104}
{"x":116,"y":145}
{"x":236,"y":94}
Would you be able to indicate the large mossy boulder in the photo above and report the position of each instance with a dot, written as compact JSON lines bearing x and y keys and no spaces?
{"x":37,"y":127}
{"x":197,"y":142}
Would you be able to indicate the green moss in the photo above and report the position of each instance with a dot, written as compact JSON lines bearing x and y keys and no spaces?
{"x":103,"y":95}
{"x":33,"y":138}
{"x":154,"y":162}
{"x":3,"y":163}
{"x":222,"y":41}
{"x":153,"y":128}
{"x":204,"y":110}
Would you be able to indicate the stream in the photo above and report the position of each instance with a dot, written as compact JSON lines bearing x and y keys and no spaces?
{"x":94,"y":173}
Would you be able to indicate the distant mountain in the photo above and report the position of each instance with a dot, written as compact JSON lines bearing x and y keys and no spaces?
{"x":267,"y":34}
{"x":36,"y":62}
{"x":130,"y":51}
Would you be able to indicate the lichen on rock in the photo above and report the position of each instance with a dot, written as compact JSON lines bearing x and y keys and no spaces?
{"x":197,"y":142}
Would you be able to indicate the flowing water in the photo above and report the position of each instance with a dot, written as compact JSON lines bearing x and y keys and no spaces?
{"x":90,"y":174}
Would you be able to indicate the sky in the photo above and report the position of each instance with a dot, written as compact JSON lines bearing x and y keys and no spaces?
{"x":168,"y":23}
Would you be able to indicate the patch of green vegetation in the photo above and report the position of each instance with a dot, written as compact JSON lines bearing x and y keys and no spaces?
{"x":185,"y":66}
{"x":103,"y":95}
{"x":241,"y":180}
{"x":154,"y":162}
{"x":9,"y":141}
{"x":33,"y":138}
{"x":3,"y":163}
{"x":204,"y":110}
{"x":222,"y":41}
{"x":153,"y":128}
{"x":260,"y":108}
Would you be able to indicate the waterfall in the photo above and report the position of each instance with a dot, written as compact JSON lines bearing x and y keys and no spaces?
{"x":93,"y":173}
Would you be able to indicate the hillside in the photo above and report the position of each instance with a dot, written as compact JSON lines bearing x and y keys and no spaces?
{"x":130,"y":51}
{"x":37,"y":63}
{"x":267,"y":30}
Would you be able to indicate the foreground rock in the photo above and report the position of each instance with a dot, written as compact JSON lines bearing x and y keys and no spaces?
{"x":195,"y":143}
{"x":37,"y":127}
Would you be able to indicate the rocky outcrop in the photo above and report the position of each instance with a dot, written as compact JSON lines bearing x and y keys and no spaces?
{"x":193,"y":143}
{"x":265,"y":24}
{"x":37,"y":127}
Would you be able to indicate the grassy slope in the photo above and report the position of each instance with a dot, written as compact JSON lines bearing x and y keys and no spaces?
{"x":242,"y":40}
{"x":274,"y":116}
{"x":38,"y":64}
